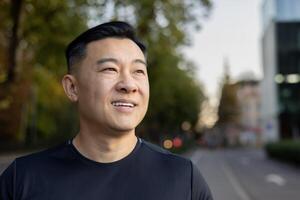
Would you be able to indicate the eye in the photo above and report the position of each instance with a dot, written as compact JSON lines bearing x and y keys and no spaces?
{"x":110,"y":69}
{"x":140,"y":71}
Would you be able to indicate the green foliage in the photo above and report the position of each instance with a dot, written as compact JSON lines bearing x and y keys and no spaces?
{"x":50,"y":109}
{"x":286,"y":150}
{"x":175,"y":98}
{"x":47,"y":26}
{"x":52,"y":114}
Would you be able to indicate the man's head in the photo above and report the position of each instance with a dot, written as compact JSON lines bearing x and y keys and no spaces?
{"x":108,"y":78}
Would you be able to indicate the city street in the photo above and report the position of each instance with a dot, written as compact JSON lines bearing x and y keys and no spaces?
{"x":247,"y":175}
{"x":239,"y":174}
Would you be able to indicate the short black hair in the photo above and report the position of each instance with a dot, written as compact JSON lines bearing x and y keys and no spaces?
{"x":76,"y":50}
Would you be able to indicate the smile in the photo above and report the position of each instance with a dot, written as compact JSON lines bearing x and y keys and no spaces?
{"x":123,"y":104}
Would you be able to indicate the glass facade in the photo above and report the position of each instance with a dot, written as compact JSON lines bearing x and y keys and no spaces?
{"x":287,"y":10}
{"x":280,"y":10}
{"x":288,"y":65}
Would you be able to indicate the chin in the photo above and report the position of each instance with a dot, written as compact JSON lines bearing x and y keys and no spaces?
{"x":124,"y":124}
{"x":117,"y":132}
{"x":124,"y":129}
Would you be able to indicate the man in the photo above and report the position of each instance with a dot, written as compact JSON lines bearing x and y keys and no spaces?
{"x":107,"y":79}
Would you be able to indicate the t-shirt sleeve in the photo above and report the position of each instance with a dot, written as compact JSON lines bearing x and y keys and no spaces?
{"x":7,"y":181}
{"x":200,"y":189}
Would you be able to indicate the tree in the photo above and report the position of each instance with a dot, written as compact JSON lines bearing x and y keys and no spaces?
{"x":34,"y":56}
{"x":228,"y":111}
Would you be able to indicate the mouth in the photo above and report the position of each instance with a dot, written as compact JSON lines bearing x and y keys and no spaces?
{"x":124,"y":103}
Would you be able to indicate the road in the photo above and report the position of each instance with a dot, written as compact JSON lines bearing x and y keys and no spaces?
{"x":238,"y":174}
{"x":247,"y":174}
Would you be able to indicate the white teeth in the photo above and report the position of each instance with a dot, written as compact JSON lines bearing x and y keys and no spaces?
{"x":123,"y":104}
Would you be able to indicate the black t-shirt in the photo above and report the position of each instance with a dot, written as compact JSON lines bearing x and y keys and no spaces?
{"x":62,"y":173}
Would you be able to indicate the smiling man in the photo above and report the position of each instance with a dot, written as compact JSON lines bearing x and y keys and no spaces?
{"x":107,"y":80}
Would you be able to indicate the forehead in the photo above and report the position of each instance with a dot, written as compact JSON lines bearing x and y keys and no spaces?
{"x":115,"y":47}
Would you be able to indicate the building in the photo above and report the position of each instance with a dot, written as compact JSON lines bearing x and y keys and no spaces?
{"x":249,"y":98}
{"x":280,"y":106}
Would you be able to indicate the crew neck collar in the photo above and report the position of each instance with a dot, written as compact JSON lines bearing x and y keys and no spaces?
{"x":93,"y":162}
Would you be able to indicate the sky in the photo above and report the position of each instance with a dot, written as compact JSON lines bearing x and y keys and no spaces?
{"x":233,"y":33}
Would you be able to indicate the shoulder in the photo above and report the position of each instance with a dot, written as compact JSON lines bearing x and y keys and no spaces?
{"x":155,"y":149}
{"x":181,"y":166}
{"x":41,"y":158}
{"x":200,"y":189}
{"x":177,"y":166}
{"x":155,"y":152}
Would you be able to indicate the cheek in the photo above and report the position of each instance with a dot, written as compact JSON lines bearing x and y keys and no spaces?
{"x":147,"y":92}
{"x":103,"y":90}
{"x":94,"y":92}
{"x":145,"y":88}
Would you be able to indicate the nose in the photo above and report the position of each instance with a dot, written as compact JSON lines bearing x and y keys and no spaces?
{"x":126,"y":84}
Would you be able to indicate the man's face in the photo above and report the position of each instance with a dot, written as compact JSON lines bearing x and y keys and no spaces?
{"x":112,"y":85}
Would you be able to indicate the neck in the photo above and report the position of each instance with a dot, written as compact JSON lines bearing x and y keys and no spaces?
{"x":104,"y":148}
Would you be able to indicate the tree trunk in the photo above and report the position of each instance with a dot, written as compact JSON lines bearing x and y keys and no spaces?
{"x":15,"y":10}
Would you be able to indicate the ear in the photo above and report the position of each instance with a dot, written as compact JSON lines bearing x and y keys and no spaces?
{"x":69,"y":84}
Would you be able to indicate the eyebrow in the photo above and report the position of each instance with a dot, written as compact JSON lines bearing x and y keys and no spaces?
{"x":140,"y":61}
{"x":104,"y":60}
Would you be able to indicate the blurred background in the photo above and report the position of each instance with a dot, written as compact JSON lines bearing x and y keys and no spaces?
{"x":224,"y":80}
